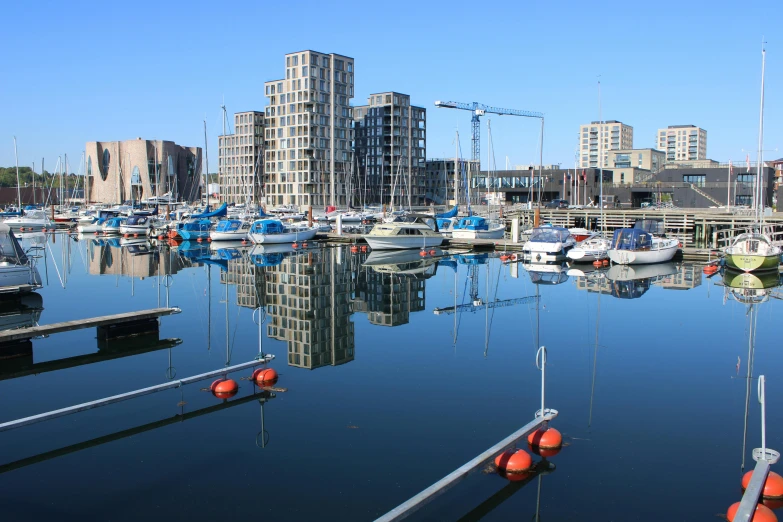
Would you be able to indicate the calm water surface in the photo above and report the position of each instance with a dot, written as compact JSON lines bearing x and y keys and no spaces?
{"x":388,"y":389}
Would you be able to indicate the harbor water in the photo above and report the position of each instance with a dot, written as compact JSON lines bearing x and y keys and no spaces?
{"x":394,"y":370}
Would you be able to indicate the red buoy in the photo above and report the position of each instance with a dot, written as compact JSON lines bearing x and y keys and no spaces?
{"x":224,"y":388}
{"x":304,"y":244}
{"x":209,"y":240}
{"x":126,"y":235}
{"x":514,"y":461}
{"x":762,"y":513}
{"x":264,"y":376}
{"x":515,"y":477}
{"x":364,"y":248}
{"x":432,"y":252}
{"x":773,"y":487}
{"x":135,"y":235}
{"x":96,"y":232}
{"x":597,"y":263}
{"x":606,"y":262}
{"x":198,"y":240}
{"x":295,"y":245}
{"x":160,"y":237}
{"x":423,"y":253}
{"x":545,"y":439}
{"x":354,"y":249}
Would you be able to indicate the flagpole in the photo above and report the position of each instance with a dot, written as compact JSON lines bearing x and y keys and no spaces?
{"x":728,"y":190}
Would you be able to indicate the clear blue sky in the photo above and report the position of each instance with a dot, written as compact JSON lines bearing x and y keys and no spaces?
{"x":85,"y":71}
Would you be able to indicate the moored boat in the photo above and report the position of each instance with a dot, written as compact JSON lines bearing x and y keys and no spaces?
{"x":411,"y":231}
{"x":548,"y":243}
{"x":589,"y":250}
{"x":266,"y":231}
{"x":112,"y":225}
{"x":194,"y":229}
{"x":752,"y":251}
{"x":16,"y":268}
{"x":640,"y":245}
{"x":477,"y":227}
{"x":230,"y":230}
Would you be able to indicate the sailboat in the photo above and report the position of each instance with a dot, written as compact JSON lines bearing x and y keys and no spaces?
{"x":30,"y":219}
{"x":755,"y":250}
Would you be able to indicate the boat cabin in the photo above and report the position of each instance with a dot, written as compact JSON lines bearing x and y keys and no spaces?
{"x":11,"y":252}
{"x":631,"y":239}
{"x":549,"y":234}
{"x":267,"y":226}
{"x":231,"y":225}
{"x":472,"y":223}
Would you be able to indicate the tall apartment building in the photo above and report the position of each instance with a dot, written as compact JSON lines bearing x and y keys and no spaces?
{"x":439,"y":174}
{"x":238,"y":157}
{"x":602,"y":137}
{"x":391,"y":145}
{"x":308,"y":151}
{"x":683,"y":142}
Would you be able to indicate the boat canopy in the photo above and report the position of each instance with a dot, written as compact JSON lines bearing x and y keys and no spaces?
{"x":267,"y":226}
{"x":106,"y":214}
{"x":228,"y":225}
{"x":138,"y":219}
{"x":10,"y":250}
{"x":631,"y":239}
{"x":219,"y":212}
{"x":195,"y":225}
{"x":450,"y":214}
{"x":116,"y":221}
{"x":549,"y":234}
{"x":472,"y":223}
{"x":653,"y":226}
{"x":444,"y":223}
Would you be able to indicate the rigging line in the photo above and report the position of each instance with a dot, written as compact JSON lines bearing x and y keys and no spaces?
{"x":492,"y":315}
{"x":464,"y":292}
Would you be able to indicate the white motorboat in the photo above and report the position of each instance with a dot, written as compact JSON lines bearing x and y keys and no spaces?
{"x":230,"y":230}
{"x":112,"y":225}
{"x":640,"y":245}
{"x":95,"y":223}
{"x":139,"y":223}
{"x":446,"y":225}
{"x":548,"y":243}
{"x":594,"y":248}
{"x":274,"y":231}
{"x":477,"y":227}
{"x":16,"y":269}
{"x":411,"y":231}
{"x":30,"y":220}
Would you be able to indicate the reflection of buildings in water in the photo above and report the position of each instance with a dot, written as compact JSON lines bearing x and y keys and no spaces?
{"x":109,"y":257}
{"x":686,"y":278}
{"x":594,"y":284}
{"x":249,"y":281}
{"x":388,"y":299}
{"x":308,"y":304}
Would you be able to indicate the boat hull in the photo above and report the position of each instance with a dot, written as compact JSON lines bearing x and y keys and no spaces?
{"x":586,"y":255}
{"x":83,"y":229}
{"x":492,"y":233}
{"x":286,"y":237}
{"x":761,"y":280}
{"x":19,"y":275}
{"x":403,"y":242}
{"x":643,"y":257}
{"x":133,"y":229}
{"x":752,"y":262}
{"x":236,"y":235}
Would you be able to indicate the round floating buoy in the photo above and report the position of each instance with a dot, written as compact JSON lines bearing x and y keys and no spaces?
{"x":363,"y":248}
{"x":514,"y":461}
{"x":295,"y":245}
{"x":96,"y":232}
{"x":126,"y":235}
{"x":244,"y":241}
{"x":606,"y":262}
{"x":354,"y":249}
{"x":304,"y":244}
{"x":515,"y":477}
{"x":264,"y":376}
{"x":423,"y":253}
{"x":21,"y":229}
{"x":432,"y":252}
{"x":160,"y":237}
{"x":679,"y":244}
{"x":597,"y":263}
{"x":504,"y":257}
{"x":135,"y":235}
{"x":224,"y":388}
{"x":773,"y":487}
{"x":545,"y":439}
{"x":544,"y":452}
{"x":198,"y":240}
{"x":762,"y":513}
{"x":710,"y":269}
{"x":209,"y":240}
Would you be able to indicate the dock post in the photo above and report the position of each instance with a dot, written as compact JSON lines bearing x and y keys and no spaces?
{"x":515,"y":226}
{"x":310,"y":216}
{"x":339,"y":224}
{"x":537,"y":216}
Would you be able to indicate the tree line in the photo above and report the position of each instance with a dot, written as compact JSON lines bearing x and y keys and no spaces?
{"x":8,"y":178}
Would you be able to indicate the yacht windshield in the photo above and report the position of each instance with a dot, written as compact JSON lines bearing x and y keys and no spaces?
{"x":549,"y":235}
{"x":10,"y":251}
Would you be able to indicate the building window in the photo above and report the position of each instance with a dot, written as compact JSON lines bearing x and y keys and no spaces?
{"x":696,"y":179}
{"x":89,"y":166}
{"x":106,"y":160}
{"x":135,"y":176}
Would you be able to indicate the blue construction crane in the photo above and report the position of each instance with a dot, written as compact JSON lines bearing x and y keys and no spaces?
{"x":478,"y":110}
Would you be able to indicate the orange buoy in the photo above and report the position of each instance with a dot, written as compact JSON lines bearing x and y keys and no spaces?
{"x":160,"y":237}
{"x":198,"y":240}
{"x":264,"y":376}
{"x":209,"y":240}
{"x":773,"y":487}
{"x":96,"y":232}
{"x":21,"y":229}
{"x":295,"y":245}
{"x":423,"y":253}
{"x":126,"y":235}
{"x":363,"y":248}
{"x":354,"y":249}
{"x":504,"y":257}
{"x":304,"y":244}
{"x":597,"y":263}
{"x":762,"y":513}
{"x":514,"y":461}
{"x":135,"y":235}
{"x":432,"y":252}
{"x":515,"y":477}
{"x":514,"y":257}
{"x":606,"y":262}
{"x":545,"y":439}
{"x":544,"y":452}
{"x":224,"y":388}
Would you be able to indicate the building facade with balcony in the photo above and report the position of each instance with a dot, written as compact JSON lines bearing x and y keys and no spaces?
{"x":391,"y":149}
{"x":599,"y":138}
{"x":308,"y":132}
{"x":683,"y":143}
{"x":240,"y":161}
{"x":441,"y":182}
{"x":635,"y":165}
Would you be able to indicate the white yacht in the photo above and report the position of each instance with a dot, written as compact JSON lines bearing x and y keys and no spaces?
{"x":477,"y":227}
{"x":30,"y":220}
{"x":642,"y":245}
{"x":548,"y":243}
{"x":411,"y":231}
{"x":594,"y":248}
{"x":266,"y":231}
{"x":16,"y":269}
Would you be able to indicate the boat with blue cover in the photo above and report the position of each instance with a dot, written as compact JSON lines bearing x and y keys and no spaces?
{"x":194,"y":229}
{"x":97,"y":221}
{"x":230,"y":230}
{"x":477,"y":227}
{"x":112,"y":225}
{"x":642,"y":244}
{"x":139,"y":222}
{"x":274,"y":231}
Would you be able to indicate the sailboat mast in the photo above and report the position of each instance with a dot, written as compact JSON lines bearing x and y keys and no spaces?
{"x":206,"y":157}
{"x":18,"y":190}
{"x":456,"y":171}
{"x":759,"y":180}
{"x":600,"y":158}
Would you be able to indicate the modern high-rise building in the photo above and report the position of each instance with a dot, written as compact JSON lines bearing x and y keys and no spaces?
{"x":391,"y":147}
{"x":683,"y":143}
{"x":239,"y":158}
{"x":308,"y":134}
{"x":439,"y":179}
{"x":601,"y":137}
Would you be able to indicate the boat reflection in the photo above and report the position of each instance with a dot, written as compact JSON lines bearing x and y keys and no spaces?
{"x":633,"y":281}
{"x":547,"y":273}
{"x":404,"y":263}
{"x":750,"y":287}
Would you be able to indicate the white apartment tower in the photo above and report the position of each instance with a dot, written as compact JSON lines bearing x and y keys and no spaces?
{"x":238,"y":157}
{"x":308,"y":155}
{"x":683,"y":143}
{"x":601,"y":137}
